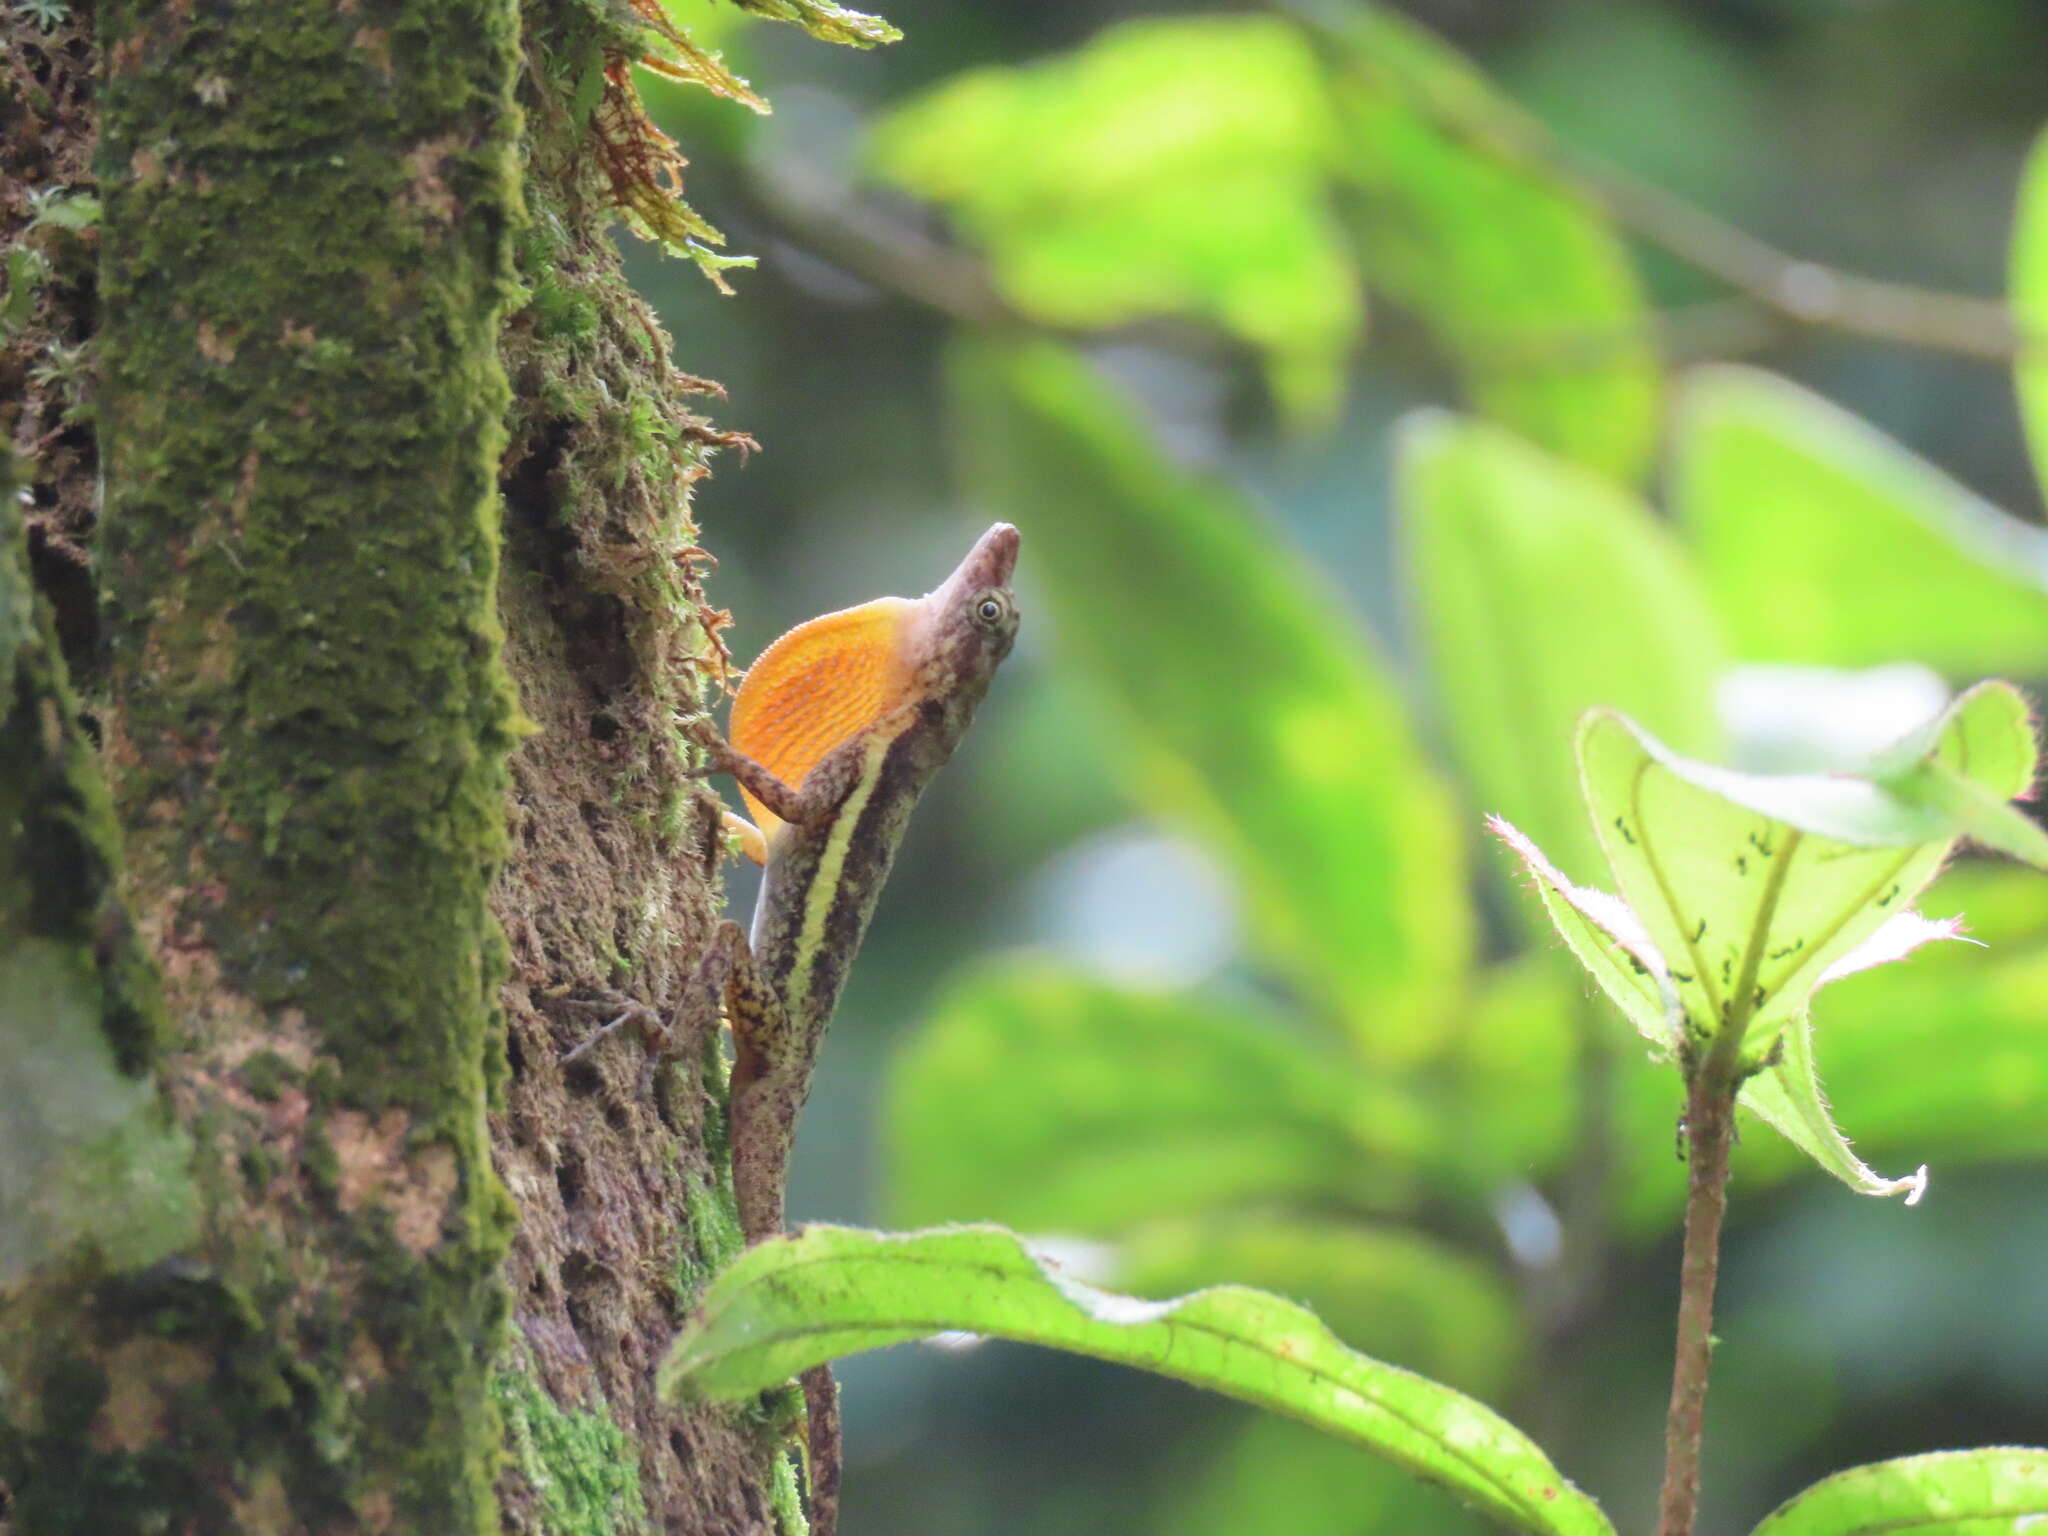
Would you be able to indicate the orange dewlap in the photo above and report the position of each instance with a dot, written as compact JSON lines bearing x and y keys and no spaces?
{"x":823,"y":682}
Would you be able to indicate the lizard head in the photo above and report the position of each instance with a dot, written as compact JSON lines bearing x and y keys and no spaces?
{"x":965,"y":626}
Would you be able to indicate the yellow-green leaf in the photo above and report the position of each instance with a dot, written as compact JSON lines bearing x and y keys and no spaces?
{"x":1170,"y":167}
{"x":2030,"y":303}
{"x":1992,"y":1492}
{"x":792,"y":1302}
{"x":1526,"y":282}
{"x":1807,"y":521}
{"x":1057,"y":1103}
{"x":1544,"y":589}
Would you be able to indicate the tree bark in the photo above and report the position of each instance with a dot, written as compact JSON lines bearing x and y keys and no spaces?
{"x":394,"y":609}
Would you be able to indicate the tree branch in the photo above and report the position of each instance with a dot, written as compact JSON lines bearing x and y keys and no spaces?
{"x":1790,"y":288}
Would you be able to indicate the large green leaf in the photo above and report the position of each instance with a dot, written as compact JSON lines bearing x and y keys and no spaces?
{"x":1993,"y":1492}
{"x":1752,"y":887}
{"x":1252,"y":711}
{"x":789,"y":1303}
{"x":1543,"y":589}
{"x":1511,"y":1103}
{"x":1169,"y":167}
{"x":2030,"y":303}
{"x":1393,"y":1292}
{"x":1824,"y":541}
{"x":1056,"y":1103}
{"x":1527,"y":283}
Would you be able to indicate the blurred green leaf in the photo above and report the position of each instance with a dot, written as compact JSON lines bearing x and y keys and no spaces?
{"x":1543,"y":589}
{"x":792,"y":1302}
{"x":1991,"y":1492}
{"x":1397,"y":1294}
{"x":1171,"y":167}
{"x":1252,"y":711}
{"x":1512,"y":1101}
{"x":2030,"y":302}
{"x":1057,"y":1103}
{"x":1274,"y":1477}
{"x":1527,"y":283}
{"x":1805,"y":519}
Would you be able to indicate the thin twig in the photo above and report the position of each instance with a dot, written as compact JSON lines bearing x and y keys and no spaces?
{"x":1787,"y":288}
{"x":1791,"y":288}
{"x":824,"y":213}
{"x":1773,"y":290}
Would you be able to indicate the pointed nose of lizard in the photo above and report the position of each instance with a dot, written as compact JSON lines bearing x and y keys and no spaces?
{"x":991,"y":562}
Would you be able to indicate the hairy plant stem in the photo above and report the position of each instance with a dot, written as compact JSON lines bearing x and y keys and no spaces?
{"x":1710,"y":1132}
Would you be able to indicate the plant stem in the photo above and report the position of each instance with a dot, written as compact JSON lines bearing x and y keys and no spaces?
{"x":1710,"y":1131}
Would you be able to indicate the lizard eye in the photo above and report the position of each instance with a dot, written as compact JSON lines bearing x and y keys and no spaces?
{"x":990,"y":609}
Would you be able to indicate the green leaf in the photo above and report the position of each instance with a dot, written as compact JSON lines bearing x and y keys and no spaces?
{"x":1804,"y":516}
{"x":1395,"y":1293}
{"x":825,"y":21}
{"x":72,"y":211}
{"x":1056,"y":1103}
{"x":1171,"y":167}
{"x":1608,"y":939}
{"x":792,"y":1302}
{"x":1943,"y":1062}
{"x":1993,"y":1492}
{"x":1525,"y":281}
{"x":1787,"y":1098}
{"x":2030,"y":302}
{"x":1253,"y":713}
{"x":1544,"y":589}
{"x":1990,"y":758}
{"x":1752,"y":887}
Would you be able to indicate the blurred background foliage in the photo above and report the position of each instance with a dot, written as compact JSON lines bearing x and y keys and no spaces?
{"x":1377,"y":387}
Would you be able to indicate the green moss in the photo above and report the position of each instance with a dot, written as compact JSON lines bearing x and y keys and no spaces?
{"x":62,"y":1483}
{"x":785,"y":1499}
{"x":318,"y":1161}
{"x":267,"y":1074}
{"x":710,"y":1237}
{"x":259,"y":1165}
{"x":582,"y":1467}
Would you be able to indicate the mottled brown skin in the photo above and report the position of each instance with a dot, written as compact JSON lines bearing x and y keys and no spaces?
{"x":826,"y":865}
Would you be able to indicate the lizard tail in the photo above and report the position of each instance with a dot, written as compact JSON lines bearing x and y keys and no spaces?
{"x":821,"y":1401}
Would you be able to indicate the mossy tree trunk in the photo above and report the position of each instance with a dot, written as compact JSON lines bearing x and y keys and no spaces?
{"x":371,"y":776}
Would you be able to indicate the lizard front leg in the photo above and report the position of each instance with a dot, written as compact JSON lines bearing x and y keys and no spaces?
{"x":803,"y":804}
{"x":767,"y":1083}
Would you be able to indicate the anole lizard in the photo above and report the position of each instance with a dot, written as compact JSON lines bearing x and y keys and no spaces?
{"x":836,"y":731}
